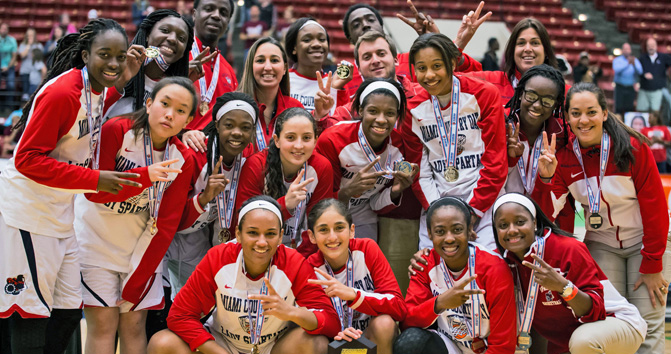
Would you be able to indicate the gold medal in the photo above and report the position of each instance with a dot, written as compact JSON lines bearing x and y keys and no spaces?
{"x":153,"y":229}
{"x":204,"y":107}
{"x":152,"y":52}
{"x":451,"y":174}
{"x":405,"y":167}
{"x":224,"y":235}
{"x":343,"y":71}
{"x":255,"y":349}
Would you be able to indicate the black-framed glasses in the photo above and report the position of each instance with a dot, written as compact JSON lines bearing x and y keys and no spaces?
{"x":531,"y":97}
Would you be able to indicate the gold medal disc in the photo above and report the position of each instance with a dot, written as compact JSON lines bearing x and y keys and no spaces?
{"x":451,"y":174}
{"x":343,"y":71}
{"x":152,"y":52}
{"x":204,"y":107}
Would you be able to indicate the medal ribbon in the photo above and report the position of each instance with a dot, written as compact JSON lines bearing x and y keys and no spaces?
{"x":345,"y":318}
{"x":225,"y":209}
{"x":595,"y":198}
{"x":156,"y":190}
{"x":370,"y":154}
{"x":525,"y":310}
{"x":298,"y":213}
{"x":206,"y":93}
{"x":260,"y":138}
{"x":256,"y":322}
{"x":474,"y":326}
{"x":449,"y":146}
{"x":160,"y":60}
{"x":530,"y":181}
{"x":94,"y":124}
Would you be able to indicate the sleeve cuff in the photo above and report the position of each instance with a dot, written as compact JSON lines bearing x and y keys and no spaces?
{"x":200,"y":340}
{"x":196,"y":204}
{"x":358,"y":300}
{"x":321,"y":319}
{"x":650,"y":266}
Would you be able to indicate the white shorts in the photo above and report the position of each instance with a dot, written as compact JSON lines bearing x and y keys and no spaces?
{"x":231,"y":348}
{"x":38,"y":273}
{"x":102,"y":288}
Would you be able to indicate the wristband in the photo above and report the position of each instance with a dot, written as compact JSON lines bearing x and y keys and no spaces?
{"x":573,"y":294}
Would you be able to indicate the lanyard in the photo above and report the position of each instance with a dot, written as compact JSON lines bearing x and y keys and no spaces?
{"x":225,"y":208}
{"x":206,"y":92}
{"x":345,"y":318}
{"x":160,"y":60}
{"x":298,"y":213}
{"x":370,"y":154}
{"x":529,"y":181}
{"x":474,"y":326}
{"x":94,"y":124}
{"x":256,"y":322}
{"x":449,"y":145}
{"x":260,"y":138}
{"x":594,"y":199}
{"x":157,"y":188}
{"x":525,"y":309}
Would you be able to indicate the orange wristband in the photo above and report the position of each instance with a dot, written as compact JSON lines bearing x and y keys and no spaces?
{"x":573,"y":294}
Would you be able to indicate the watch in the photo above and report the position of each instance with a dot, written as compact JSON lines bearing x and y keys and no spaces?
{"x":568,"y":290}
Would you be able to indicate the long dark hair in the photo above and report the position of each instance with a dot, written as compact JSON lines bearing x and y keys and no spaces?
{"x":68,"y":55}
{"x":273,"y":171}
{"x":440,"y":42}
{"x":292,"y":37}
{"x":623,"y":154}
{"x":210,"y":129}
{"x":321,"y":206}
{"x":542,"y":223}
{"x":141,"y":118}
{"x":248,"y":83}
{"x":400,"y":105}
{"x":549,"y":73}
{"x":509,"y":54}
{"x":135,"y":87}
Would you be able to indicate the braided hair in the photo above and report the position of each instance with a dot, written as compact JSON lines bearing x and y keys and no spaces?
{"x":274,"y":185}
{"x":135,"y":87}
{"x":211,"y":129}
{"x":68,"y":55}
{"x":550,"y":73}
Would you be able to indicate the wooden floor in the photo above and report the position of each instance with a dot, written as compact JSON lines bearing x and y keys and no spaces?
{"x":667,"y":334}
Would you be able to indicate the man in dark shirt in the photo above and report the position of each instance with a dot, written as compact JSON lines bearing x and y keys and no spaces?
{"x":653,"y":80}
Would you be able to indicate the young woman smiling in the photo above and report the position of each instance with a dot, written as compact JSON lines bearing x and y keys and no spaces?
{"x":364,"y":153}
{"x":356,"y":276}
{"x":455,"y":134}
{"x":561,"y":291}
{"x":465,"y":288}
{"x":292,"y":173}
{"x":258,"y":292}
{"x":610,"y":170}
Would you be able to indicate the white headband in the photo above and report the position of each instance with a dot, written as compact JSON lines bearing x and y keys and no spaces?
{"x":380,"y":85}
{"x":312,"y":22}
{"x":260,"y":204}
{"x":515,"y":198}
{"x":236,"y":104}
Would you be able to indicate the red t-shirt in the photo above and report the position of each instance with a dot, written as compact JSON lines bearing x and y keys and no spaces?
{"x":658,"y":150}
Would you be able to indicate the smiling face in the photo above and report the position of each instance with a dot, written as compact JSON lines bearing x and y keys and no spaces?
{"x":378,"y":118}
{"x":529,"y":50}
{"x":235,"y":132}
{"x":586,"y":118}
{"x":515,"y":228}
{"x":259,"y":235}
{"x":169,"y":112}
{"x":269,"y":67}
{"x":106,"y":60}
{"x":170,"y":35}
{"x":376,"y":60}
{"x":449,"y":233}
{"x":361,"y":21}
{"x":431,"y":72}
{"x":540,"y":89}
{"x":211,"y":20}
{"x":311,"y":46}
{"x":296,"y":142}
{"x":331,"y":235}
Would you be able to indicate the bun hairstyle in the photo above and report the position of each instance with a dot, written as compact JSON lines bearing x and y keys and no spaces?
{"x":356,"y":104}
{"x":318,"y":210}
{"x":438,"y":41}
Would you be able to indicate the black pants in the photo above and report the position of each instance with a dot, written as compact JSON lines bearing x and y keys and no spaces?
{"x":624,"y":99}
{"x":419,"y":341}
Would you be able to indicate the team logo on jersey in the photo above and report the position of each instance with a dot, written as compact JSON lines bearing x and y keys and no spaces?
{"x":244,"y":322}
{"x":549,"y":296}
{"x":228,"y":79}
{"x":16,"y":285}
{"x":461,"y":141}
{"x":457,"y":328}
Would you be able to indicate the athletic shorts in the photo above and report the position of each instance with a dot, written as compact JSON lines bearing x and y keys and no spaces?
{"x":38,"y":273}
{"x":223,"y":342}
{"x":102,"y":288}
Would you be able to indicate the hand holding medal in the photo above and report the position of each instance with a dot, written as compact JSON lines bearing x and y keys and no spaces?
{"x":515,"y":146}
{"x":547,"y":162}
{"x":344,"y":74}
{"x":135,"y":56}
{"x":323,"y":99}
{"x":404,"y":175}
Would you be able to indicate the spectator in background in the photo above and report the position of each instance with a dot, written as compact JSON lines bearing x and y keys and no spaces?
{"x":638,"y":123}
{"x":583,"y":72}
{"x":284,"y":23}
{"x":92,"y":15}
{"x":140,"y":9}
{"x":51,"y":44}
{"x":660,"y":139}
{"x":626,"y":68}
{"x":654,"y":66}
{"x":563,"y":65}
{"x":64,"y":23}
{"x":26,"y":54}
{"x":490,"y":62}
{"x":253,"y":29}
{"x":39,"y":71}
{"x":8,"y":54}
{"x":182,"y":10}
{"x":268,"y":14}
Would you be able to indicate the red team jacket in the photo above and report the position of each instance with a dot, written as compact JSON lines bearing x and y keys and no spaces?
{"x":283,"y":103}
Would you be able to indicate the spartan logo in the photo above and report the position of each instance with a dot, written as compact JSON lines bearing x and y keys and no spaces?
{"x":549,"y":296}
{"x":244,"y":322}
{"x":15,"y":285}
{"x":458,"y":327}
{"x":461,"y":141}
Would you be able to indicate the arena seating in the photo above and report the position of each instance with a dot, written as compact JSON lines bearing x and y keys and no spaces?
{"x":641,"y":19}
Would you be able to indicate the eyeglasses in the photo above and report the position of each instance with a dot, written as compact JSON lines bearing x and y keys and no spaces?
{"x":532,"y":97}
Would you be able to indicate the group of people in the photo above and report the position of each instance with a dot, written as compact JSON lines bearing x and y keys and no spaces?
{"x":281,"y":212}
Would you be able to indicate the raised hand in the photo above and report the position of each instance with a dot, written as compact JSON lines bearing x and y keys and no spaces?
{"x":547,"y":162}
{"x":469,"y":25}
{"x":273,"y":304}
{"x":348,"y":334}
{"x":216,"y":183}
{"x":416,"y":260}
{"x":403,"y":181}
{"x":196,"y":65}
{"x":195,"y":139}
{"x":515,"y":146}
{"x":323,"y":99}
{"x":361,"y":182}
{"x":332,"y":287}
{"x":297,"y":191}
{"x":423,"y":23}
{"x":339,"y":83}
{"x":546,"y":276}
{"x":135,"y":56}
{"x":158,"y":172}
{"x":113,"y":181}
{"x":456,"y":295}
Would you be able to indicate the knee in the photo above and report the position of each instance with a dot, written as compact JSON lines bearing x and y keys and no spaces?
{"x":583,"y":342}
{"x":383,"y":327}
{"x":165,"y":341}
{"x":411,"y":341}
{"x":320,"y":344}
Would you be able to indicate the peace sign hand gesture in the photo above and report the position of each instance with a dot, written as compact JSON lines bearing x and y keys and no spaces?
{"x":273,"y":304}
{"x":196,"y":65}
{"x":456,"y":295}
{"x":515,"y":146}
{"x":158,"y":172}
{"x":334,"y":288}
{"x":323,"y":99}
{"x":546,"y":276}
{"x":362,"y":181}
{"x":469,"y":25}
{"x":297,"y":191}
{"x":216,"y":183}
{"x":547,"y":162}
{"x":423,"y":23}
